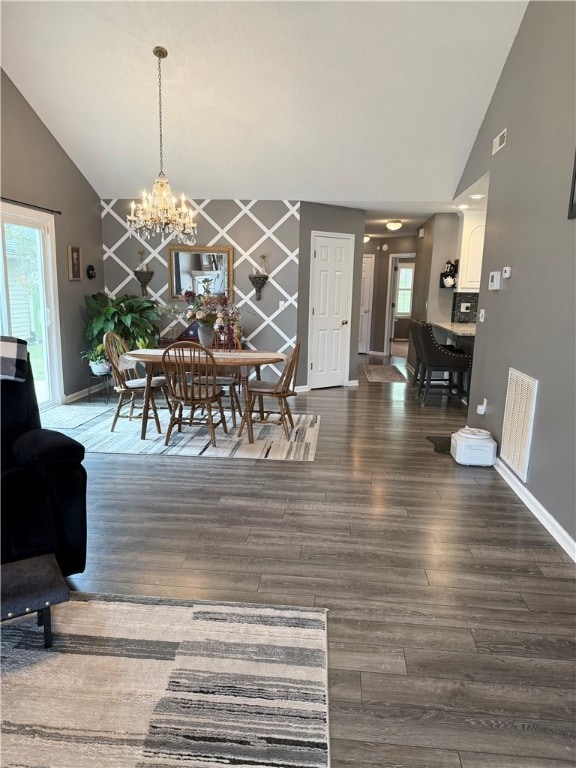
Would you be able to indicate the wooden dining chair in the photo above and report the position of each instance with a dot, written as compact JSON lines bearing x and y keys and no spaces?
{"x":280,"y":390}
{"x":128,"y":382}
{"x":229,"y":379}
{"x":190,"y":372}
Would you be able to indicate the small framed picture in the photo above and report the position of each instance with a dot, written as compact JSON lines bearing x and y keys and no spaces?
{"x":74,"y":263}
{"x":572,"y":204}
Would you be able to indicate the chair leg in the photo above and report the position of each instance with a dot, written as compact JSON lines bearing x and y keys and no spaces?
{"x":249,"y":407}
{"x":211,"y":425}
{"x":421,"y":380}
{"x":117,"y":412}
{"x":284,"y":417}
{"x":152,"y":404}
{"x":427,"y":388}
{"x":288,"y":412}
{"x":223,"y":416}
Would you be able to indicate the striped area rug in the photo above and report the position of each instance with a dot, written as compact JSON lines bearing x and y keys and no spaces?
{"x":136,"y":682}
{"x":269,"y":440}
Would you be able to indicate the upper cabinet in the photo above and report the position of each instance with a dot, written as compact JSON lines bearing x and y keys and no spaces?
{"x":470,"y":250}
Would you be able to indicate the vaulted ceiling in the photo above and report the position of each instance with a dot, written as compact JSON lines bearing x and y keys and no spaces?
{"x":373,"y":105}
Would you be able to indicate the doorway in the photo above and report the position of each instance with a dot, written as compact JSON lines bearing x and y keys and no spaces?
{"x":398,"y":302}
{"x":330,"y":307}
{"x":366,"y":292}
{"x":29,"y":308}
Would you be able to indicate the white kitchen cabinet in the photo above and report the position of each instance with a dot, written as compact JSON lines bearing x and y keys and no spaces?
{"x":470,"y":249}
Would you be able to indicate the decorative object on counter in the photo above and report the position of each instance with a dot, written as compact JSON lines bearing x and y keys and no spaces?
{"x":143,"y":274}
{"x":90,"y":272}
{"x":158,"y":214}
{"x":448,"y":276}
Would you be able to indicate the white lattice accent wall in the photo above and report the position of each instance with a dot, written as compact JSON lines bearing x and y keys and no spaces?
{"x":518,"y":421}
{"x":253,"y":228}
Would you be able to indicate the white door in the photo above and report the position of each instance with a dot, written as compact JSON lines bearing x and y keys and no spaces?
{"x":29,"y":307}
{"x":330,"y":306}
{"x":366,"y":303}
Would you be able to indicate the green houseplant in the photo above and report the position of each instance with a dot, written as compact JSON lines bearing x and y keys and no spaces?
{"x":97,"y":360}
{"x":131,"y":317}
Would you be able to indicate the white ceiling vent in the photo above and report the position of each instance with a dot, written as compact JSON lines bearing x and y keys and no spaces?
{"x":518,"y":421}
{"x":499,"y":142}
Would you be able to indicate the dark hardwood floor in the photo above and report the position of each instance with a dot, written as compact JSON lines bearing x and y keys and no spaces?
{"x":451,"y":609}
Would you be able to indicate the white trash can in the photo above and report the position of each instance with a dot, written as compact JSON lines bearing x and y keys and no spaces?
{"x":473,"y":447}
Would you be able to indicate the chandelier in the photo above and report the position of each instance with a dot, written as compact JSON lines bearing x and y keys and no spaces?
{"x":158,"y":213}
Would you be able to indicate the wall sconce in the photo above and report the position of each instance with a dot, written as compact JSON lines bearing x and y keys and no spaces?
{"x":143,"y":274}
{"x":258,"y":278}
{"x":258,"y":281}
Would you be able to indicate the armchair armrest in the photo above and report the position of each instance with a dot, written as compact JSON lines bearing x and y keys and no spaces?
{"x":40,"y":447}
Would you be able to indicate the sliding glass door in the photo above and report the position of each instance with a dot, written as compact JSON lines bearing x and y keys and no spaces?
{"x":29,"y":295}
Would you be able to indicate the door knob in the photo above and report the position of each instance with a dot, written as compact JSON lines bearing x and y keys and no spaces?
{"x":344,"y":322}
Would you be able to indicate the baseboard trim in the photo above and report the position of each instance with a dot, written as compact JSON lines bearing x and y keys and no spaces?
{"x":352,"y":383}
{"x":540,"y":512}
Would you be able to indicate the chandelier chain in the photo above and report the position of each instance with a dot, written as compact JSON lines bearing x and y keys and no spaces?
{"x":158,"y":212}
{"x":160,"y":115}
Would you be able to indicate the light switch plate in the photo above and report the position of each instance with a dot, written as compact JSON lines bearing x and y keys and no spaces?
{"x":494,"y":281}
{"x":506,"y":272}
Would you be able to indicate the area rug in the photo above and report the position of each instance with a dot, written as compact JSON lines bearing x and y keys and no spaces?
{"x":269,"y":440}
{"x":136,"y":682}
{"x":383,"y":373}
{"x":441,"y":443}
{"x":71,"y":416}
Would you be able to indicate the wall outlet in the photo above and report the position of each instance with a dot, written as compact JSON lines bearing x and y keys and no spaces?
{"x":281,"y":304}
{"x":465,"y":306}
{"x":481,"y":315}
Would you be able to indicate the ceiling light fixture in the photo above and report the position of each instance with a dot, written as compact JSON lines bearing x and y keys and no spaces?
{"x":366,"y":238}
{"x":158,"y":214}
{"x":477,"y":197}
{"x":393,"y":225}
{"x":462,"y":207}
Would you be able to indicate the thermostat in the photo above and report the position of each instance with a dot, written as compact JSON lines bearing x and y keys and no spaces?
{"x":494,"y":281}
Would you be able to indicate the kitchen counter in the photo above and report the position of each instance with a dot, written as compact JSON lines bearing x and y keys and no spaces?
{"x":457,"y":329}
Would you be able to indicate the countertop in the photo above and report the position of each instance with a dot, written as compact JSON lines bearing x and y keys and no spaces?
{"x":457,"y":329}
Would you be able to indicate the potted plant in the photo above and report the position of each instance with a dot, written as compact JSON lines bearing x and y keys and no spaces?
{"x":97,"y":360}
{"x":131,"y":317}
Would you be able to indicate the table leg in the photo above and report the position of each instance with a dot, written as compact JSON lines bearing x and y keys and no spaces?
{"x":247,"y":409}
{"x":146,"y":403}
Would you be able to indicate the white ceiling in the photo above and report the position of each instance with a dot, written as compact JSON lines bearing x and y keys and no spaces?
{"x":372,"y":105}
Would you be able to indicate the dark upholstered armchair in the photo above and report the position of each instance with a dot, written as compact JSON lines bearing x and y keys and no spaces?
{"x":43,"y":483}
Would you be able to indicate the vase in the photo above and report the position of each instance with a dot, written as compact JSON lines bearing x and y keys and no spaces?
{"x":206,"y":334}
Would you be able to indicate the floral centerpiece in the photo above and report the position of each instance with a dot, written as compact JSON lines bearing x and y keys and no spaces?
{"x":212,"y":310}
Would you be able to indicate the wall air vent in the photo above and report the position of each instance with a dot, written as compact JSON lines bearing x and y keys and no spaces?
{"x":499,"y":142}
{"x":518,"y":421}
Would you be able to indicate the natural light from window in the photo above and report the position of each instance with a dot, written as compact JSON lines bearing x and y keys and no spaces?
{"x":404,"y":292}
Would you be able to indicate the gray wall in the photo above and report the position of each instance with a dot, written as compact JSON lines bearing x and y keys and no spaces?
{"x":261,"y":227}
{"x":35,"y":169}
{"x":530,"y":322}
{"x":397,"y":244}
{"x":328,"y":218}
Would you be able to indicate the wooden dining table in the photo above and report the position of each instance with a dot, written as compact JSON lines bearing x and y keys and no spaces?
{"x":243,"y":360}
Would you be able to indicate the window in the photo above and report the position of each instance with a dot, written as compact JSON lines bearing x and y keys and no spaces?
{"x":404,"y":290}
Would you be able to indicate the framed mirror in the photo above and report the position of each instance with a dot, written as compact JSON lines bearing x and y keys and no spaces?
{"x":192,"y":268}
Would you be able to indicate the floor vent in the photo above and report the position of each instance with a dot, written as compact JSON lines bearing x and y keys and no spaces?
{"x":518,"y":421}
